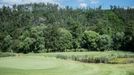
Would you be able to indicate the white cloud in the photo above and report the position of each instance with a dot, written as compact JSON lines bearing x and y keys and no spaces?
{"x":38,"y":1}
{"x":132,"y":6}
{"x":83,"y":5}
{"x":11,"y":2}
{"x":94,"y":1}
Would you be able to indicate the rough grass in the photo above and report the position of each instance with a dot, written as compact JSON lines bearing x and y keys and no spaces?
{"x":113,"y":57}
{"x":37,"y":64}
{"x":6,"y":54}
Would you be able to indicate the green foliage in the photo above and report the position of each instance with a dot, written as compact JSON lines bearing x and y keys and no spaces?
{"x":104,"y":42}
{"x":89,"y":40}
{"x":7,"y":42}
{"x":26,"y":44}
{"x":103,"y":27}
{"x":76,"y":31}
{"x":118,"y":40}
{"x":32,"y":40}
{"x":58,"y":39}
{"x":51,"y":37}
{"x":37,"y":25}
{"x":37,"y":34}
{"x":129,"y":36}
{"x":65,"y":39}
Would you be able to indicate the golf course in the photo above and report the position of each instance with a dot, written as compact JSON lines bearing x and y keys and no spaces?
{"x":66,"y":37}
{"x":48,"y":64}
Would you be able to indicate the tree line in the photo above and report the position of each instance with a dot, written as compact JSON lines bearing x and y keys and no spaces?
{"x":49,"y":28}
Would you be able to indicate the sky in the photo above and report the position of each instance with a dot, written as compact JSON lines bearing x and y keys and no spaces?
{"x":74,"y":3}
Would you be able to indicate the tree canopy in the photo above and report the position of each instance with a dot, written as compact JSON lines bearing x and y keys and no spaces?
{"x":47,"y":27}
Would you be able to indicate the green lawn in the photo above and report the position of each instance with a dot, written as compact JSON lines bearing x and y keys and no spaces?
{"x":38,"y":64}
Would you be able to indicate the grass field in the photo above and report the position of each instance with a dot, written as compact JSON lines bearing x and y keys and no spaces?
{"x":38,"y":64}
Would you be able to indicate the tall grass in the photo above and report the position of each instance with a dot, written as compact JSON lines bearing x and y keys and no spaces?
{"x":7,"y":54}
{"x":112,"y":57}
{"x":130,"y":73}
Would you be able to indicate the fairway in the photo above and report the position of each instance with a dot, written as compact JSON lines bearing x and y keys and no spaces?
{"x":40,"y":65}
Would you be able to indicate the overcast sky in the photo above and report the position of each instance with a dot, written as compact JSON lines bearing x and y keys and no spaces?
{"x":74,"y":3}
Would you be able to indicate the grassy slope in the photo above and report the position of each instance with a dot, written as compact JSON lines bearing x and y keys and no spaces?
{"x":38,"y":65}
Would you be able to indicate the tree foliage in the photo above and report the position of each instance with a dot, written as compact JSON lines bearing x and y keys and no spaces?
{"x":47,"y":27}
{"x":89,"y":40}
{"x":104,"y":42}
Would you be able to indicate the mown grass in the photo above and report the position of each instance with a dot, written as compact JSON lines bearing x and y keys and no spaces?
{"x":112,"y":57}
{"x":37,"y":64}
{"x":48,"y":64}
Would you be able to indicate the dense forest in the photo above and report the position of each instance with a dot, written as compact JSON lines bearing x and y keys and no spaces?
{"x":50,"y":28}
